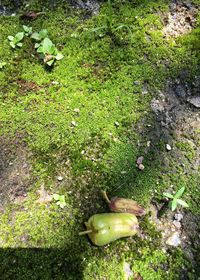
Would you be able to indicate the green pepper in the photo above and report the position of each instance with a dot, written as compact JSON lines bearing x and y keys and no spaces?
{"x":105,"y":228}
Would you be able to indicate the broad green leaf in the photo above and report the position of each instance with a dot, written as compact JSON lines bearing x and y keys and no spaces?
{"x":182,"y":203}
{"x":43,"y":33}
{"x":40,"y":49}
{"x":50,"y":62}
{"x":179,"y":192}
{"x":62,"y":198}
{"x":35,"y":36}
{"x":19,"y":36}
{"x":12,"y":44}
{"x":59,"y":56}
{"x":169,"y":195}
{"x":37,"y":45}
{"x":52,"y":50}
{"x":10,"y":38}
{"x":63,"y":204}
{"x":26,"y":28}
{"x":46,"y":45}
{"x":56,"y":196}
{"x":174,"y":204}
{"x":19,"y":45}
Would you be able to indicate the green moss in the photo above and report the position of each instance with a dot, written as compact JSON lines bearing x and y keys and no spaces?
{"x":188,"y":148}
{"x":111,"y":81}
{"x":159,"y":265}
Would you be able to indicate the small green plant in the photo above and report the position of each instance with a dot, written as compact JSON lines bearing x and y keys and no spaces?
{"x":27,"y":30}
{"x":2,"y":64}
{"x":176,"y":199}
{"x":110,"y":27}
{"x":39,"y":36}
{"x":60,"y":200}
{"x":45,"y":47}
{"x":48,"y":51}
{"x":15,"y":41}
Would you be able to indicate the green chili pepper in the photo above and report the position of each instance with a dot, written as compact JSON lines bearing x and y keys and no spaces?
{"x":105,"y":228}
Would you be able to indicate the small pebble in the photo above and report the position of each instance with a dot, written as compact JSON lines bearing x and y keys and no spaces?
{"x":141,"y":166}
{"x":76,"y":110}
{"x":178,"y":217}
{"x":59,"y":178}
{"x":177,"y":224}
{"x":55,"y":83}
{"x":173,"y":239}
{"x":140,"y":160}
{"x":73,"y":123}
{"x":168,"y":147}
{"x":148,"y":143}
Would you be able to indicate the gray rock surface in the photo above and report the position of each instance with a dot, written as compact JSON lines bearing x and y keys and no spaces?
{"x":174,"y":239}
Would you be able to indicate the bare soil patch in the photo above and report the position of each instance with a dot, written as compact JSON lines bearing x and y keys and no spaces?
{"x":180,"y":19}
{"x":14,"y":172}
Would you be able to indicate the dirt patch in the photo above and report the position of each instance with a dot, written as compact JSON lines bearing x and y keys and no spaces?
{"x":14,"y":172}
{"x":178,"y":124}
{"x":176,"y":117}
{"x":26,"y":86}
{"x":180,"y":19}
{"x":90,"y":6}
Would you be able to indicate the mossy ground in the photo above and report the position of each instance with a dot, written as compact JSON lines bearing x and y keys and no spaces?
{"x":111,"y":80}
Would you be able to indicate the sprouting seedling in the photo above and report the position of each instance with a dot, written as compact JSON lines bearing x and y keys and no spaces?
{"x":2,"y":64}
{"x":110,"y":27}
{"x":48,"y":52}
{"x":60,"y":200}
{"x":175,"y":199}
{"x":15,"y":41}
{"x":27,"y":30}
